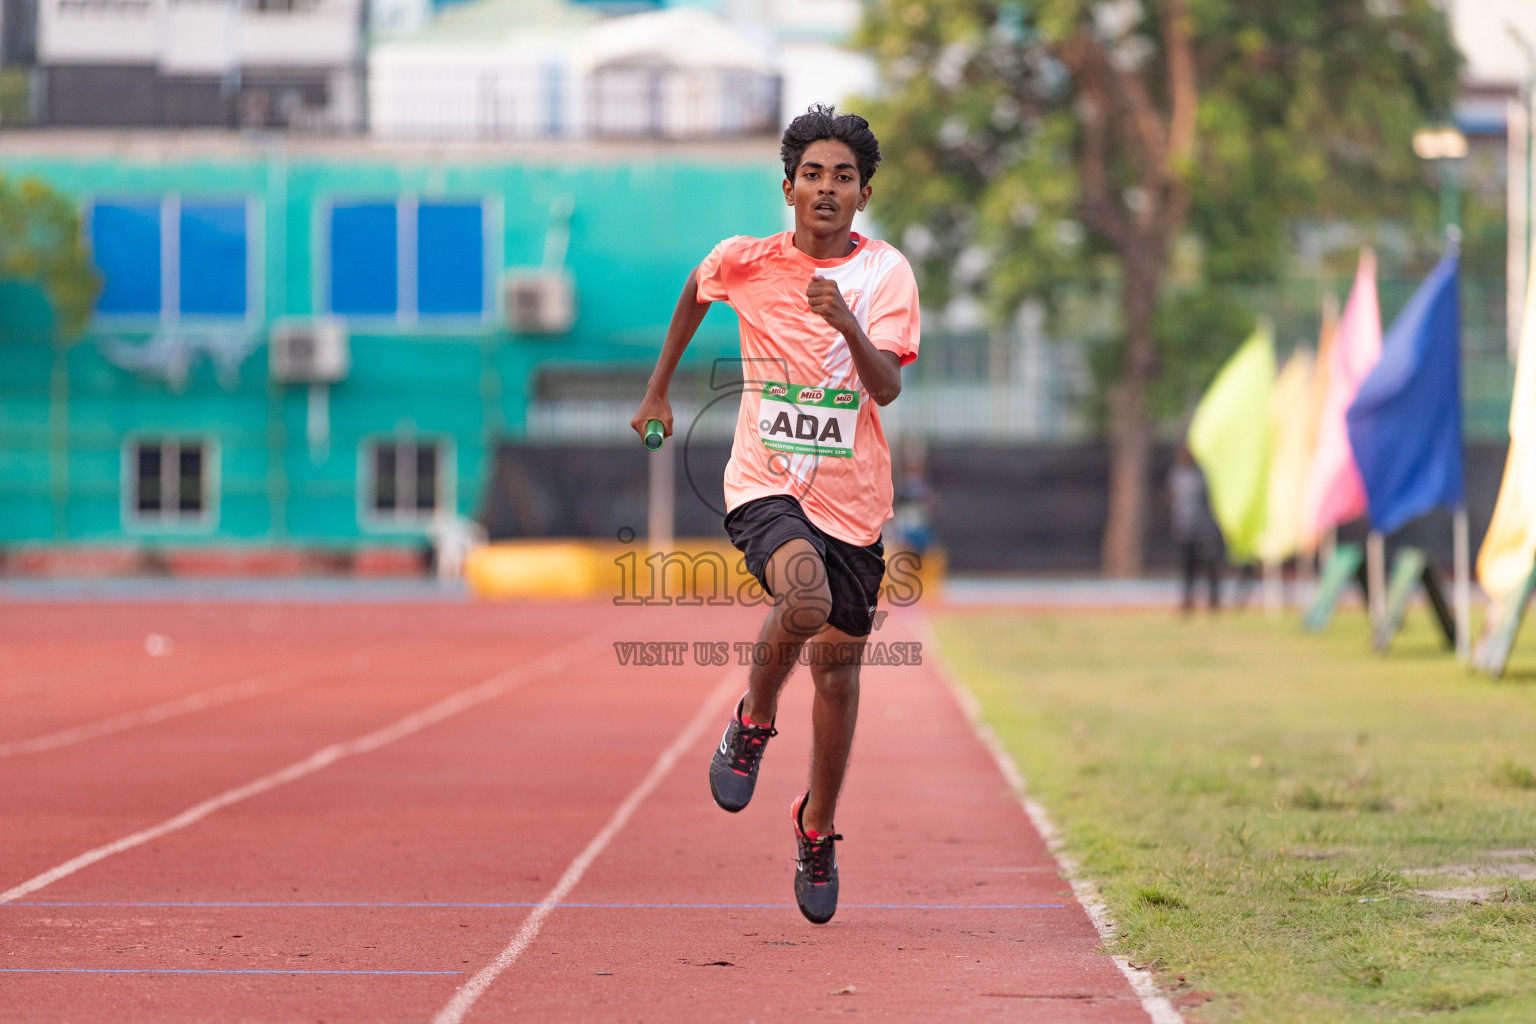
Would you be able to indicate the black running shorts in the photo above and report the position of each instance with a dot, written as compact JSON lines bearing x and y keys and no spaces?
{"x":760,"y":527}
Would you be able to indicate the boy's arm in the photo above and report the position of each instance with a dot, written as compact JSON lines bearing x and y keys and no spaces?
{"x":686,"y":317}
{"x":879,"y":370}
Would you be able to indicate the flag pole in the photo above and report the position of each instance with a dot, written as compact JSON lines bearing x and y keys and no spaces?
{"x":1376,"y":577}
{"x":1274,"y":596}
{"x":1460,"y":545}
{"x":1463,"y":595}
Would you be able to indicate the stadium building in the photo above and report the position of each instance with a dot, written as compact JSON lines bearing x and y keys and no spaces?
{"x":314,"y":347}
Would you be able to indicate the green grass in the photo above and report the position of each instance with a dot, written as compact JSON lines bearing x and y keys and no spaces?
{"x":1253,"y":802}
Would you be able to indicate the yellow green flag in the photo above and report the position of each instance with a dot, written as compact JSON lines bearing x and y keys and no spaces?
{"x":1292,"y":431}
{"x":1510,"y":546}
{"x":1230,"y":439}
{"x":1317,"y":400}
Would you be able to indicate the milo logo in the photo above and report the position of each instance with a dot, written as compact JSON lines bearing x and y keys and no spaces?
{"x":811,"y":395}
{"x":843,"y":399}
{"x":778,"y":390}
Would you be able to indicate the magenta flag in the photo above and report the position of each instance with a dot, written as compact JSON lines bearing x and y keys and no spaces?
{"x":1335,"y":493}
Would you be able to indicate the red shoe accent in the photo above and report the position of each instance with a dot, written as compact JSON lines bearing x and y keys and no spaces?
{"x":795,"y":810}
{"x":741,"y":716}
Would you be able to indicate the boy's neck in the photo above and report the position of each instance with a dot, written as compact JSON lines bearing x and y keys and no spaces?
{"x":831,"y":246}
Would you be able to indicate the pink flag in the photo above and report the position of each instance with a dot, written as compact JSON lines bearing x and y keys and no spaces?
{"x":1335,"y":493}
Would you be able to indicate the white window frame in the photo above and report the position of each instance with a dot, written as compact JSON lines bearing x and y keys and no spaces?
{"x":413,"y":520}
{"x":170,"y":259}
{"x":136,"y":520}
{"x":406,"y":255}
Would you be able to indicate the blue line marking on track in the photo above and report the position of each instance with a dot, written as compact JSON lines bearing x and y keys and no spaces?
{"x":187,"y":970}
{"x":525,"y":905}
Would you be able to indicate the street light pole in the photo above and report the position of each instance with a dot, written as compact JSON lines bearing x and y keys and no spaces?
{"x":1446,"y":148}
{"x":1450,"y":194}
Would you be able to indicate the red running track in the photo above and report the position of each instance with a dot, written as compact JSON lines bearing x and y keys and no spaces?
{"x":313,"y":877}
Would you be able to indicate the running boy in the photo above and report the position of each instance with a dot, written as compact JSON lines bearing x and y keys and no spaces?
{"x":828,"y":318}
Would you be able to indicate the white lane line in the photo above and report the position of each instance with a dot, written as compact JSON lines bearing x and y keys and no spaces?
{"x":56,"y":683}
{"x":708,"y":713}
{"x":1142,"y":982}
{"x":192,"y":702}
{"x":491,"y":688}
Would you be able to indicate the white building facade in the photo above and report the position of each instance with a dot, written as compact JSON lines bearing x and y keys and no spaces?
{"x":201,"y":63}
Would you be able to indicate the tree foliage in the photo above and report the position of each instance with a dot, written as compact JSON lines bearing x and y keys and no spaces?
{"x":1306,"y":108}
{"x":1033,"y":145}
{"x":41,"y":243}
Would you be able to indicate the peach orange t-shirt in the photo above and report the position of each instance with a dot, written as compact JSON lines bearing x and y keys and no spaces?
{"x":807,"y":428}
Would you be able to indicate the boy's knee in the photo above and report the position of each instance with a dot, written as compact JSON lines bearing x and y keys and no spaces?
{"x":805,"y":611}
{"x":804,"y":595}
{"x":837,"y":682}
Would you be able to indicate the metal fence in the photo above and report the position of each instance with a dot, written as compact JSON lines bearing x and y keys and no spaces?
{"x":1018,"y":385}
{"x":1007,"y":386}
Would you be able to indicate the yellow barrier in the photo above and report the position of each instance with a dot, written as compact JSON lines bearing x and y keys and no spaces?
{"x":531,"y":569}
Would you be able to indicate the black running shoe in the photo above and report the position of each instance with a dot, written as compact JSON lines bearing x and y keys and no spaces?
{"x":733,"y":769}
{"x":815,"y":869}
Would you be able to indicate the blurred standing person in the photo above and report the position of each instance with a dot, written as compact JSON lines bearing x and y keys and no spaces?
{"x":1194,"y":529}
{"x":915,"y":499}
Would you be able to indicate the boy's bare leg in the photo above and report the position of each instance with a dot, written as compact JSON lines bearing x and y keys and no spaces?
{"x":834,"y":713}
{"x":798,"y":578}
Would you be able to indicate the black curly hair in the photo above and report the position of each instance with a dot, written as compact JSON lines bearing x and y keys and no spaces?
{"x":822,"y":121}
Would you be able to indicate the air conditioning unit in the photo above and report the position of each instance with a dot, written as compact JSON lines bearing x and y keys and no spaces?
{"x":309,"y":352}
{"x":539,"y":301}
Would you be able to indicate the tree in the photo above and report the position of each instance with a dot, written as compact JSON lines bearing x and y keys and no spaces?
{"x":41,"y":243}
{"x":1073,"y":142}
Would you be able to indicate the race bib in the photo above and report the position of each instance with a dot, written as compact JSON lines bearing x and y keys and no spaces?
{"x":804,"y":420}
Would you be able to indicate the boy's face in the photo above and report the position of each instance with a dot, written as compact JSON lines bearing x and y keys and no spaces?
{"x":826,"y":192}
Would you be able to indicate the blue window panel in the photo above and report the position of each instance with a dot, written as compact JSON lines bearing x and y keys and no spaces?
{"x":365,"y":260}
{"x":450,"y":259}
{"x":213,"y":259}
{"x":125,"y":241}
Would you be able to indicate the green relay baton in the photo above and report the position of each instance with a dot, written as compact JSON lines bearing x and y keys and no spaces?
{"x":655,"y":433}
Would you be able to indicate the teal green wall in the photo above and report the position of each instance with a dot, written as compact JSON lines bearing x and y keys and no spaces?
{"x":639,"y":224}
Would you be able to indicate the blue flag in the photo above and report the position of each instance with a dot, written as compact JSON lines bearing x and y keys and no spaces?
{"x":1405,"y":422}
